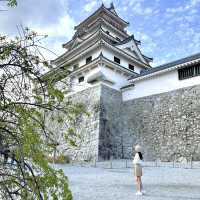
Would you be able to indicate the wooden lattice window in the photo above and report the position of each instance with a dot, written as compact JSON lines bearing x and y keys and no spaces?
{"x":81,"y":79}
{"x":89,"y":59}
{"x":131,"y":67}
{"x":117,"y":60}
{"x":118,"y":39}
{"x":189,"y":72}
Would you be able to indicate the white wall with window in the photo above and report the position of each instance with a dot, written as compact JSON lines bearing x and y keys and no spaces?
{"x":157,"y":84}
{"x":82,"y":61}
{"x":114,"y":79}
{"x":118,"y":79}
{"x":79,"y":82}
{"x":123,"y":61}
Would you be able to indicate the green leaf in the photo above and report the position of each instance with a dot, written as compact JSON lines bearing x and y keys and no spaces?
{"x":12,"y":3}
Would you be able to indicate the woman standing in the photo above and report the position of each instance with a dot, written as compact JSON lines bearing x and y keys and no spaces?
{"x":137,"y":161}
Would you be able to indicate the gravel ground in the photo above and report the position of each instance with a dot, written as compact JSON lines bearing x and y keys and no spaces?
{"x":160,"y":183}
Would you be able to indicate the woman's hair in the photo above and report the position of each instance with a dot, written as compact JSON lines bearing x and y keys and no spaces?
{"x":140,"y":155}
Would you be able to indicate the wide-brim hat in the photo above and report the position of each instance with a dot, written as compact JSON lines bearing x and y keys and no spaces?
{"x":138,"y":148}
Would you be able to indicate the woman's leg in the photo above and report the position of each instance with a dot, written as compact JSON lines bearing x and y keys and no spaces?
{"x":139,"y":184}
{"x":136,"y":183}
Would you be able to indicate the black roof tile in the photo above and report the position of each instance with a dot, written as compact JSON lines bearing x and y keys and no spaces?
{"x":166,"y":66}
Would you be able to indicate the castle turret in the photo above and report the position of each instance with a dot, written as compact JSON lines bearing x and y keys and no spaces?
{"x":100,"y":51}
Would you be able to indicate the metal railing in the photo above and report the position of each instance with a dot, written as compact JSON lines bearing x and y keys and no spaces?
{"x":125,"y":163}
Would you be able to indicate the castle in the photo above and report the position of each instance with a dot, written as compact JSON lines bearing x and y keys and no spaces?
{"x":129,"y":101}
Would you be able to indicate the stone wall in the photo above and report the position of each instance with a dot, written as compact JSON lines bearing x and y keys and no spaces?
{"x":167,"y":125}
{"x":89,"y":125}
{"x":110,"y":135}
{"x":86,"y":126}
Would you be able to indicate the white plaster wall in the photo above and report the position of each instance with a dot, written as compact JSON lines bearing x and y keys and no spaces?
{"x":82,"y":60}
{"x":76,"y":86}
{"x":118,"y":79}
{"x":158,"y":84}
{"x":123,"y":62}
{"x":128,"y":52}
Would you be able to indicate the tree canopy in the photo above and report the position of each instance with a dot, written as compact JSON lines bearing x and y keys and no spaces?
{"x":25,"y":140}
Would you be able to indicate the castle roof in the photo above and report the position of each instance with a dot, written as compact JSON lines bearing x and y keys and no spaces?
{"x":59,"y":72}
{"x":99,"y":13}
{"x":92,"y":34}
{"x":128,"y":39}
{"x":181,"y":63}
{"x":100,"y":37}
{"x":99,"y":23}
{"x":132,"y":45}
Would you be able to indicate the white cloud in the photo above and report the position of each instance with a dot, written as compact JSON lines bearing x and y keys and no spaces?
{"x":138,"y":7}
{"x":90,"y":6}
{"x":64,"y":27}
{"x":148,"y":45}
{"x":107,"y":2}
{"x":189,"y":5}
{"x":57,"y":35}
{"x":133,"y":2}
{"x":45,"y":17}
{"x":159,"y":32}
{"x":185,"y":13}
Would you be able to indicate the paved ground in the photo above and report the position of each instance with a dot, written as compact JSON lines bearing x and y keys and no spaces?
{"x":162,"y":183}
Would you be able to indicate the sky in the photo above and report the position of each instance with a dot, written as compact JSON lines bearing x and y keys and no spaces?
{"x":168,"y":29}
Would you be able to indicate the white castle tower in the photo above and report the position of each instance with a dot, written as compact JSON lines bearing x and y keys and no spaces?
{"x":101,"y":51}
{"x":129,"y":102}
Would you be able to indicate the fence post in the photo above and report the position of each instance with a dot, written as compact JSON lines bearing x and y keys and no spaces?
{"x":174,"y":161}
{"x":191,"y":163}
{"x":126,"y":163}
{"x":82,"y":163}
{"x":95,"y":162}
{"x":111,"y":158}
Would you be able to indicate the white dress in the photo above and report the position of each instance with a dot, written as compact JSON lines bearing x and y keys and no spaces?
{"x":137,"y":165}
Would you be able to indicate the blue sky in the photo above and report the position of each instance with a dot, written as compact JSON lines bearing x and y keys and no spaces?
{"x":168,"y":29}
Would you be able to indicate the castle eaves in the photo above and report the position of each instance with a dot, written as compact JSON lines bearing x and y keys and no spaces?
{"x":100,"y":23}
{"x":105,"y":10}
{"x":181,"y":63}
{"x":129,"y":39}
{"x":102,"y":36}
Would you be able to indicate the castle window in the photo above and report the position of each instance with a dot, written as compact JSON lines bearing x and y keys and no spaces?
{"x":189,"y":72}
{"x":81,"y":79}
{"x":118,"y":39}
{"x":117,"y":60}
{"x":89,"y":59}
{"x":197,"y":70}
{"x":131,"y":67}
{"x":75,"y":66}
